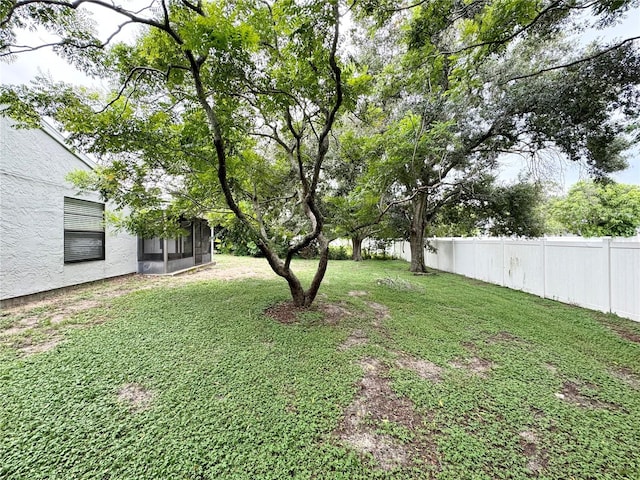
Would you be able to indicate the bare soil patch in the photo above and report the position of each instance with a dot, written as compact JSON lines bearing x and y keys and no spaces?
{"x":626,"y":334}
{"x":239,"y":272}
{"x":424,"y":368}
{"x":285,"y":312}
{"x":377,"y":404}
{"x":21,"y":326}
{"x":504,"y":337}
{"x":135,"y":395}
{"x":358,"y":293}
{"x":356,"y":339}
{"x":476,"y":365}
{"x":381,"y":313}
{"x":41,"y":347}
{"x":571,"y":393}
{"x":537,"y":458}
{"x":626,"y":331}
{"x":333,"y":312}
{"x":628,"y":376}
{"x":288,"y":313}
{"x":82,"y":305}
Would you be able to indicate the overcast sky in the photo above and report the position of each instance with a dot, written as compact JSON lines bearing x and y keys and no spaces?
{"x":27,"y":66}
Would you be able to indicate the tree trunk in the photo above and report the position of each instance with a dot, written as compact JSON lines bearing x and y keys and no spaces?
{"x":416,"y":233}
{"x":356,"y":243}
{"x":299,"y":296}
{"x":311,"y":293}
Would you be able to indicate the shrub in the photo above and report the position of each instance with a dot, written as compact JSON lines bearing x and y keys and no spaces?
{"x":339,"y":252}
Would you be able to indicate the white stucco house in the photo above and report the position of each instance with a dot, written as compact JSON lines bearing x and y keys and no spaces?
{"x":51,"y":236}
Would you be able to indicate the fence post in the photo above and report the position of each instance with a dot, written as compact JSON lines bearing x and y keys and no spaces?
{"x":607,"y":246}
{"x":453,"y":255}
{"x":504,"y":261}
{"x":544,"y":267}
{"x":475,"y":257}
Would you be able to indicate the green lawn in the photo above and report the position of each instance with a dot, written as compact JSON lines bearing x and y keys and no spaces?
{"x":434,"y":376}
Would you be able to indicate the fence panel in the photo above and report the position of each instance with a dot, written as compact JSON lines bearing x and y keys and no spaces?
{"x":577,"y":273}
{"x":464,"y":254}
{"x":489,"y":260}
{"x":625,"y":278}
{"x":600,"y":274}
{"x":444,"y":259}
{"x":524,"y":265}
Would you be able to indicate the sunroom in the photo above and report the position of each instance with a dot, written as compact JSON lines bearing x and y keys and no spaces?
{"x":169,"y":255}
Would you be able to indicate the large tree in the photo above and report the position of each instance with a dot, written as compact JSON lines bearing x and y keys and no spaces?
{"x":227,"y":100}
{"x":476,"y":80}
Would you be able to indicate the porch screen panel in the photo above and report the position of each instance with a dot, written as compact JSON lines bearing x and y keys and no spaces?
{"x":84,"y":236}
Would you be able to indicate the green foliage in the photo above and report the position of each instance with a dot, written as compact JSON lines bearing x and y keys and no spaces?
{"x":377,"y":250}
{"x":233,"y":237}
{"x":595,"y":209}
{"x":497,"y":210}
{"x":339,"y":252}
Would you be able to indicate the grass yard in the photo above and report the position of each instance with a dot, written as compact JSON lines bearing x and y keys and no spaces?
{"x":391,"y":376}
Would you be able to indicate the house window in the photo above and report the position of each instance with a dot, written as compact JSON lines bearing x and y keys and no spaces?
{"x":83,"y":230}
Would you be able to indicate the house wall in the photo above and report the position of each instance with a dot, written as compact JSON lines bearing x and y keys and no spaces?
{"x":33,"y":167}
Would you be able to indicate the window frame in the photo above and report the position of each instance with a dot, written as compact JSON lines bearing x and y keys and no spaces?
{"x":93,"y":234}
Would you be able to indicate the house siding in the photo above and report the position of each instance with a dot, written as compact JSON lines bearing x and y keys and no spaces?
{"x":33,"y":167}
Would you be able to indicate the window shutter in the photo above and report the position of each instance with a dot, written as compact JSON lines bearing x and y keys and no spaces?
{"x":83,"y":230}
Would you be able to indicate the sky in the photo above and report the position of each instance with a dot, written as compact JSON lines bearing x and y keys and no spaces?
{"x":25,"y":67}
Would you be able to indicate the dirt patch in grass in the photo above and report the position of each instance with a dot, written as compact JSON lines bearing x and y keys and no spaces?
{"x":381,"y":313}
{"x":628,"y":376}
{"x":476,"y":365}
{"x":21,"y":326}
{"x":136,"y":396}
{"x":356,"y":339}
{"x":504,"y":337}
{"x":424,"y":368}
{"x":625,"y":330}
{"x":229,"y":273}
{"x":285,"y":312}
{"x":571,"y":393}
{"x":333,"y":312}
{"x":537,"y":459}
{"x":82,"y":305}
{"x":358,"y":293}
{"x":288,"y":313}
{"x":626,"y":334}
{"x":40,"y":347}
{"x":376,"y":405}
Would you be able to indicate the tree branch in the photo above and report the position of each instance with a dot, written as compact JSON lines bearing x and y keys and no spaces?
{"x":570,"y":64}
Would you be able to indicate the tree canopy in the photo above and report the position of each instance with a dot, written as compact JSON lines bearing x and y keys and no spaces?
{"x":593,"y":209}
{"x":470,"y":82}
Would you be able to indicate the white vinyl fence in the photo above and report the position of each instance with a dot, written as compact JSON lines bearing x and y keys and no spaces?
{"x":598,"y":273}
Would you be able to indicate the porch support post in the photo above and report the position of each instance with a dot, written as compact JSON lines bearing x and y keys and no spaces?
{"x":165,"y":255}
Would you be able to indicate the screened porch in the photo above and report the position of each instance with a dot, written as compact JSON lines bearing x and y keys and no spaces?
{"x":167,"y":255}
